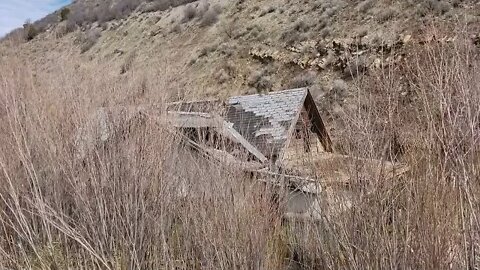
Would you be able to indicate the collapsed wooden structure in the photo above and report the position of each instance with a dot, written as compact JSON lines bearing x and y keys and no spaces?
{"x":278,"y":138}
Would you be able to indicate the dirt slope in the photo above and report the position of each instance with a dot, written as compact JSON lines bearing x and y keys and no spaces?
{"x":247,"y":46}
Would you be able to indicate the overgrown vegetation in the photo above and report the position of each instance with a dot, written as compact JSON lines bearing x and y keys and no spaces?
{"x":29,"y":31}
{"x":260,"y":80}
{"x":64,"y":12}
{"x":108,"y":10}
{"x":87,"y":40}
{"x":140,"y":200}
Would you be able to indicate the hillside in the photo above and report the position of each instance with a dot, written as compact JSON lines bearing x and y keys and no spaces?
{"x":267,"y":45}
{"x":396,"y":81}
{"x":220,"y":48}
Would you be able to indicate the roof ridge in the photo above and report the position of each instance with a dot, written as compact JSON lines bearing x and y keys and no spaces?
{"x":272,"y":93}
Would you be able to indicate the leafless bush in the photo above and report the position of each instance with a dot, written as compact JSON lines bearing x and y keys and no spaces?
{"x":423,"y":86}
{"x":365,"y":5}
{"x":89,"y":39}
{"x":301,"y":26}
{"x":122,"y":199}
{"x":292,"y":36}
{"x":189,"y":13}
{"x":29,"y":31}
{"x":155,"y":6}
{"x":355,"y":67}
{"x":109,"y":10}
{"x":439,"y":7}
{"x":266,"y":11}
{"x":127,"y":64}
{"x":210,"y":17}
{"x":15,"y":37}
{"x":104,"y":12}
{"x":386,"y":15}
{"x":65,"y":27}
{"x":302,"y":80}
{"x":260,"y":80}
{"x":177,"y":28}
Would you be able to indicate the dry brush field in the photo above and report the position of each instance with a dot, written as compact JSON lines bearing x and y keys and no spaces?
{"x":123,"y":206}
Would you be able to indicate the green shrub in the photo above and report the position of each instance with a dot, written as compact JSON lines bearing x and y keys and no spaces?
{"x":64,"y":12}
{"x":29,"y":31}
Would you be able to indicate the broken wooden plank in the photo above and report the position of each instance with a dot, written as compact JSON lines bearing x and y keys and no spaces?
{"x":337,"y":170}
{"x":231,"y":133}
{"x":192,"y":120}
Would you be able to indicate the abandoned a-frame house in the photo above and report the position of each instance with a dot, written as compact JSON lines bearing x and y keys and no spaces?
{"x":275,"y":128}
{"x":279,"y":137}
{"x":283,"y":137}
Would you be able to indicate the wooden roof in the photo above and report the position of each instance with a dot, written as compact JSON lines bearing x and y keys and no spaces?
{"x":265,"y":121}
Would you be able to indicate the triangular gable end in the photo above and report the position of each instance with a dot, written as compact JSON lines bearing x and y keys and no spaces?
{"x":309,"y":110}
{"x":317,"y":121}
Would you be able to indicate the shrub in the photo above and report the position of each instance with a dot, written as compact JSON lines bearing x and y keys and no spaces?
{"x":227,"y":49}
{"x":207,"y":50}
{"x":302,"y":80}
{"x":155,"y":6}
{"x":81,"y":14}
{"x":264,"y":12}
{"x":442,"y":7}
{"x":209,"y":18}
{"x":365,"y":6}
{"x":189,"y":12}
{"x":322,"y":23}
{"x":339,"y":86}
{"x":128,"y":63}
{"x":436,"y":6}
{"x":29,"y":31}
{"x":64,"y":12}
{"x":356,"y":66}
{"x":325,"y":32}
{"x":89,"y":40}
{"x":222,"y":76}
{"x":292,"y":36}
{"x":64,"y":28}
{"x":296,"y":33}
{"x":260,"y":81}
{"x":301,"y":26}
{"x":104,"y":12}
{"x":46,"y":22}
{"x":386,"y":15}
{"x":176,"y":29}
{"x":15,"y":37}
{"x":254,"y":31}
{"x":124,"y":8}
{"x":230,"y":28}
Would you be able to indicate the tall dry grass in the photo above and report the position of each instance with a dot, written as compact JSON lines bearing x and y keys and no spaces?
{"x":142,"y":200}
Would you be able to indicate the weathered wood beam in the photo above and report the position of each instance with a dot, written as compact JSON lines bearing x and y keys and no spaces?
{"x":227,"y":130}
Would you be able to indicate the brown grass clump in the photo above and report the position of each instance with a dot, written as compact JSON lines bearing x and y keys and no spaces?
{"x":137,"y":198}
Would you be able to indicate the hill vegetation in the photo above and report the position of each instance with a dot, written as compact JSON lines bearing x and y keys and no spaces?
{"x":395,"y":80}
